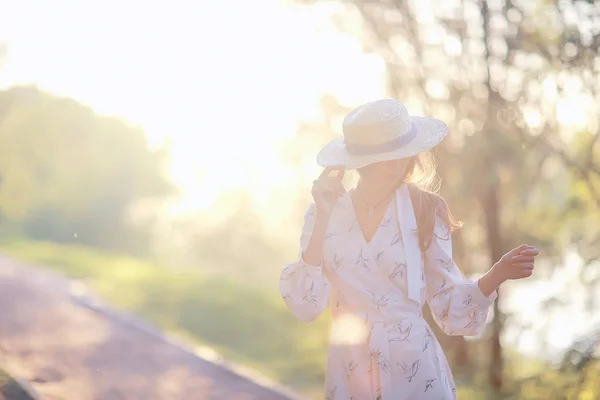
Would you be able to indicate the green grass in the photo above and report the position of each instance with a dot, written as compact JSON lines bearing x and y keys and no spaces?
{"x":246,"y":325}
{"x":10,"y":389}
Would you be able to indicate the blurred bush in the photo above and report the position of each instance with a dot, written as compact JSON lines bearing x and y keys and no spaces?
{"x":68,"y":174}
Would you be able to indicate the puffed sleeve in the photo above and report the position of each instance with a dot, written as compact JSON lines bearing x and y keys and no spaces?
{"x":303,"y":287}
{"x":458,"y":305}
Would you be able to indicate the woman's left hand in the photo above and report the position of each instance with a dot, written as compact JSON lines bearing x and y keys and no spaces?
{"x":517,"y":263}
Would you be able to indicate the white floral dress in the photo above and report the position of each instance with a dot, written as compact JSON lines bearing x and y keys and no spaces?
{"x":381,"y":346}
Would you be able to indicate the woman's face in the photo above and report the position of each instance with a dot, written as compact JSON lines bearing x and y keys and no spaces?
{"x":386,"y":170}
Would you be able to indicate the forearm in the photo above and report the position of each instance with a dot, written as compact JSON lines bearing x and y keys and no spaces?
{"x":314,"y":251}
{"x":489,"y":282}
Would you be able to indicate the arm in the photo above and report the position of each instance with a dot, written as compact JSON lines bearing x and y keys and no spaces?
{"x":302,"y":284}
{"x":459,"y":306}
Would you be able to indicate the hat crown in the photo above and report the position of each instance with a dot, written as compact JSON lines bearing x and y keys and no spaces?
{"x":376,"y":122}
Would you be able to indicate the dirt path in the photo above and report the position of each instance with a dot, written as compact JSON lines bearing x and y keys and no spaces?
{"x":71,"y":352}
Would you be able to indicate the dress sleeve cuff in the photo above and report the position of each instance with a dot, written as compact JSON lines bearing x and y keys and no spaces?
{"x":307,"y":265}
{"x":482,"y":299}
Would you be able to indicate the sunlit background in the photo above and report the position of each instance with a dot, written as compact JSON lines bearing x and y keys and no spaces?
{"x":243,"y":94}
{"x":224,"y":82}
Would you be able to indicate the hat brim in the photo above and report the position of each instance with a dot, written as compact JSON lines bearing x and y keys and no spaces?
{"x":430,"y":132}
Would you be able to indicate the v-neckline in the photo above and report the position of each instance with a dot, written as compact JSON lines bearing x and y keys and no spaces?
{"x":360,"y":228}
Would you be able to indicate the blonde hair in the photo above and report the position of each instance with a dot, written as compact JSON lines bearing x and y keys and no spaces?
{"x":424,"y":185}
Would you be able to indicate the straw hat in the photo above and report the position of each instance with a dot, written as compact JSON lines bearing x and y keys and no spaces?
{"x":381,"y":130}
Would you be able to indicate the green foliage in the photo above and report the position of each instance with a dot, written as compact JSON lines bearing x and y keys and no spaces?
{"x":70,"y":175}
{"x":562,"y":385}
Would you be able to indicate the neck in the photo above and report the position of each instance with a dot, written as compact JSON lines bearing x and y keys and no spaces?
{"x":375,"y":187}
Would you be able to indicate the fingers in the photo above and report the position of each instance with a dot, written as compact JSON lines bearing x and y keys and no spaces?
{"x":526,"y":273}
{"x":520,"y":262}
{"x":523,"y":249}
{"x":522,"y":259}
{"x":518,"y":250}
{"x":531,"y":251}
{"x":327,"y":189}
{"x":523,"y":269}
{"x":332,"y":172}
{"x":525,"y":266}
{"x":340,"y":174}
{"x":519,"y":271}
{"x":328,"y":183}
{"x":325,"y":172}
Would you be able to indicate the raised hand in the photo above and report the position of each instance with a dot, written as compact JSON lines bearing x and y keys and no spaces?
{"x":517,"y":263}
{"x":326,"y":190}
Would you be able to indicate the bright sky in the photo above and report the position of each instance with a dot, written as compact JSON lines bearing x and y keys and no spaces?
{"x":224,"y":80}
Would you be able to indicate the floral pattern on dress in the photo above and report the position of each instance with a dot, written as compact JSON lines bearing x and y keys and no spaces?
{"x":399,"y":357}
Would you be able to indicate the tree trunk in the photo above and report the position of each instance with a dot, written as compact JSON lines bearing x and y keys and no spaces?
{"x":494,"y":240}
{"x":491,"y":209}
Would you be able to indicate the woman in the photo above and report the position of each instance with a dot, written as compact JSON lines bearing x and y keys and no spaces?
{"x":375,"y":260}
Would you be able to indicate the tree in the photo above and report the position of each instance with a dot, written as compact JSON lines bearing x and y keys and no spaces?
{"x":490,"y":72}
{"x":69,"y":174}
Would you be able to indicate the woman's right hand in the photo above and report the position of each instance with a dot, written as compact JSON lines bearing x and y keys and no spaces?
{"x":327,"y":189}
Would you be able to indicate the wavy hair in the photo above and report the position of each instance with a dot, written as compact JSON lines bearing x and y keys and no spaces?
{"x":424,"y":185}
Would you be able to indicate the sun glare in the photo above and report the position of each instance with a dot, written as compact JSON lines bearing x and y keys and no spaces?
{"x":573,"y":111}
{"x":222,"y":86}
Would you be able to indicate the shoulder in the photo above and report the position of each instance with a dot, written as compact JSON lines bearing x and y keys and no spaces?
{"x":434,"y":209}
{"x":425,"y":199}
